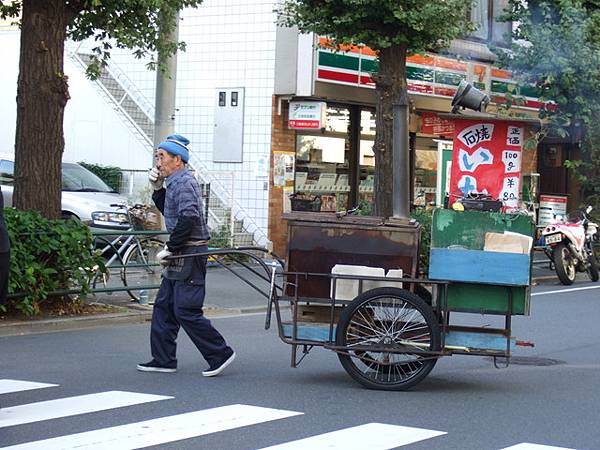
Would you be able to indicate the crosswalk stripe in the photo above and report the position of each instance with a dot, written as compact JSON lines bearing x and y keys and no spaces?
{"x":528,"y":446}
{"x":71,"y":406}
{"x":161,"y":430}
{"x":7,"y":386}
{"x":374,"y":436}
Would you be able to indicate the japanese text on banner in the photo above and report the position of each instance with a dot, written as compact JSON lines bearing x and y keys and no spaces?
{"x":486,"y":159}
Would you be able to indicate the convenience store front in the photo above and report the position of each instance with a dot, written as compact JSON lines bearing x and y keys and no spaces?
{"x":337,"y":163}
{"x":333,"y":160}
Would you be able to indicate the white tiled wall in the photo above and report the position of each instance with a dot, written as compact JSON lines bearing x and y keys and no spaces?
{"x":229,"y":43}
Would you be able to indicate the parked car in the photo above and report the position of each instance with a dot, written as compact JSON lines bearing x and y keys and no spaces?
{"x":84,"y":196}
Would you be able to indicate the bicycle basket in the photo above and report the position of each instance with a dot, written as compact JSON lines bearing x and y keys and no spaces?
{"x":144,"y":218}
{"x":302,"y":203}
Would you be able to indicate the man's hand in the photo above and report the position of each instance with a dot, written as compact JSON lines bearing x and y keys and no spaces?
{"x":156,"y":181}
{"x":163,"y":255}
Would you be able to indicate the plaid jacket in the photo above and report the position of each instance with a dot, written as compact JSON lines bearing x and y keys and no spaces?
{"x":183,"y":198}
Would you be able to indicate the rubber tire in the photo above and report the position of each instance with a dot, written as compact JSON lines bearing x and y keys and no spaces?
{"x":559,"y":266}
{"x":424,"y":294}
{"x":132,"y":252}
{"x":430,"y":319}
{"x":65,"y":215}
{"x":593,"y":269}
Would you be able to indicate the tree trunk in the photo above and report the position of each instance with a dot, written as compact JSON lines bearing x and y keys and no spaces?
{"x":42,"y":94}
{"x":389,"y":82}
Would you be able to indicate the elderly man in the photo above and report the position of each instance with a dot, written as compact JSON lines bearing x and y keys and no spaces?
{"x":181,"y":296}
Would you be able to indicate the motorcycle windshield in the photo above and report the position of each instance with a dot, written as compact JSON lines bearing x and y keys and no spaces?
{"x":575,"y":216}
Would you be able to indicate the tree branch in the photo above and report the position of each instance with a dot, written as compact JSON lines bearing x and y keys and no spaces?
{"x":73,"y":8}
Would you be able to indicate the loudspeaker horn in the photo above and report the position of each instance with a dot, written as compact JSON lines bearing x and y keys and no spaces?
{"x":469,"y":97}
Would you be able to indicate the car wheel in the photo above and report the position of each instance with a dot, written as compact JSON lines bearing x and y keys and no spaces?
{"x":68,"y":215}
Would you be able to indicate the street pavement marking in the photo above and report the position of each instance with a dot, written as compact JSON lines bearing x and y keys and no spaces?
{"x":7,"y":386}
{"x":374,"y":436}
{"x":71,"y":406}
{"x":559,"y":291}
{"x":528,"y":446}
{"x":161,"y":430}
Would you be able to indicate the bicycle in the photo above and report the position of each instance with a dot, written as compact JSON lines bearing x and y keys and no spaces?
{"x":135,"y":255}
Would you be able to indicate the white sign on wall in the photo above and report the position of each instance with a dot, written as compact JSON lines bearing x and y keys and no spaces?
{"x":307,"y":115}
{"x":551,"y":205}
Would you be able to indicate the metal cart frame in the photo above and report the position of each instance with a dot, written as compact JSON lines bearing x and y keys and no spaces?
{"x":381,"y":354}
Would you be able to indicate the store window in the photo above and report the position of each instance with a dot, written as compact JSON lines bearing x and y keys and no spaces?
{"x":337,"y":164}
{"x":366,"y":156}
{"x":323,"y":161}
{"x":426,"y":168}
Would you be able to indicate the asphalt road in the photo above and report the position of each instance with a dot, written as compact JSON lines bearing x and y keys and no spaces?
{"x":472,"y":405}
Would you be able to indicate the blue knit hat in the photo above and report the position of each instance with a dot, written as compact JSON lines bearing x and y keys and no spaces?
{"x":176,"y":144}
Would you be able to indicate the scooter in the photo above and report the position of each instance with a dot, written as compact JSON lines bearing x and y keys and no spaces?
{"x":569,"y":245}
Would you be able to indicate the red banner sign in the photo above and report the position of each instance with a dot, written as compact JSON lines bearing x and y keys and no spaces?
{"x":431,"y":123}
{"x":486,"y":158}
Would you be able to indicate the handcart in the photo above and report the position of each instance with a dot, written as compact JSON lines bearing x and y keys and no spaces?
{"x":340,"y":289}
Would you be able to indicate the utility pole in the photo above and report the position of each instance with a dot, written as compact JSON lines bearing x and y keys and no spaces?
{"x":166,"y":81}
{"x":166,"y":91}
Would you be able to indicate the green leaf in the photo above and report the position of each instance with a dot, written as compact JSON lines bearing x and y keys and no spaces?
{"x":46,"y":255}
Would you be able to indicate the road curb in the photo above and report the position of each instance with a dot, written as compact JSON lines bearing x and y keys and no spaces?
{"x":72,"y":323}
{"x":137,"y":314}
{"x":548,"y":279}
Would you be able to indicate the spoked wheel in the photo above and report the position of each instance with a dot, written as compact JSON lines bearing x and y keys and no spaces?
{"x":100,"y":279}
{"x":388,"y":318}
{"x":564,"y":263}
{"x":141,"y":267}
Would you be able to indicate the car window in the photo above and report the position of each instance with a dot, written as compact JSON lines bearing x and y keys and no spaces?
{"x":78,"y":179}
{"x":7,"y":172}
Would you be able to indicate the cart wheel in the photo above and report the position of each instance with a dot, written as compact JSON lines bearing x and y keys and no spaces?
{"x":387,"y":317}
{"x":424,"y":294}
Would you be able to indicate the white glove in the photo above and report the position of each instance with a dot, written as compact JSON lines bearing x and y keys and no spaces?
{"x":162,"y":256}
{"x":156,"y":181}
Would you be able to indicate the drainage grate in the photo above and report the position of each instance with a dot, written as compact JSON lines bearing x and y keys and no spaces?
{"x":528,"y":361}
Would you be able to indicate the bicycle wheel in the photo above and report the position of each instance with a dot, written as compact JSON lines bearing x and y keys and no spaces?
{"x":140,"y":266}
{"x":392,"y":318}
{"x":100,"y":279}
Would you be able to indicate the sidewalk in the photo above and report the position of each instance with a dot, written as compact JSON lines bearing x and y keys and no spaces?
{"x":226,"y":295}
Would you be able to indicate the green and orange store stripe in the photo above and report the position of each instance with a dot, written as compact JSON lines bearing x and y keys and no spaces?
{"x":426,"y":74}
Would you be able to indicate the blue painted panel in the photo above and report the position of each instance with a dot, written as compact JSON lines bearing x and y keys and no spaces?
{"x":477,"y":266}
{"x":319,"y":333}
{"x":473,"y":340}
{"x":480,"y":341}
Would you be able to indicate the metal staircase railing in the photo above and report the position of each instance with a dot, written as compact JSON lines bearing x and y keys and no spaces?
{"x":110,"y":89}
{"x":138,"y":113}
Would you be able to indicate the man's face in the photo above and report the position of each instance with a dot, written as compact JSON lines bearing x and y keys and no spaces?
{"x":166,"y":163}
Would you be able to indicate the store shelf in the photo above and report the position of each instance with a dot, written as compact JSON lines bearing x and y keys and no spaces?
{"x":336,"y":166}
{"x":322,"y":189}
